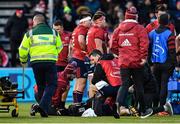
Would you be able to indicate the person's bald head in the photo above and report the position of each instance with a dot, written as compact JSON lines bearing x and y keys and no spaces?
{"x":38,"y":19}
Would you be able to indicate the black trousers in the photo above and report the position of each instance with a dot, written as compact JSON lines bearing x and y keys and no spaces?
{"x":162,"y":73}
{"x":46,"y":78}
{"x":14,"y":44}
{"x":137,"y":76}
{"x":150,"y":86}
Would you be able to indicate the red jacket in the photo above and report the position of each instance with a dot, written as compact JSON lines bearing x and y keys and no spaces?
{"x":113,"y":43}
{"x":112,"y":71}
{"x":153,"y":25}
{"x":132,"y":40}
{"x":62,"y":58}
{"x":3,"y":58}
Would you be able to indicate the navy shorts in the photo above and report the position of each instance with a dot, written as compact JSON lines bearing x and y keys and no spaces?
{"x":82,"y":69}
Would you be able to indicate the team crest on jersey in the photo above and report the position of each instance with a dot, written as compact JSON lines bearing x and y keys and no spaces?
{"x":126,"y":43}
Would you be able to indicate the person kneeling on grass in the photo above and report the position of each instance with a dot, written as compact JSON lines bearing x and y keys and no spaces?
{"x":106,"y":81}
{"x":57,"y":105}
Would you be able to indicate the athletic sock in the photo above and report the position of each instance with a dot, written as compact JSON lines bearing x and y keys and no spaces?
{"x":75,"y":99}
{"x":79,"y":96}
{"x":165,"y":108}
{"x":63,"y":104}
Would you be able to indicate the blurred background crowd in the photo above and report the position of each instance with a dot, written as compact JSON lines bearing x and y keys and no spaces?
{"x":69,"y":10}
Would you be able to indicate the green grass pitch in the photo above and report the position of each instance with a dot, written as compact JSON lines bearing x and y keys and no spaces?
{"x":24,"y":117}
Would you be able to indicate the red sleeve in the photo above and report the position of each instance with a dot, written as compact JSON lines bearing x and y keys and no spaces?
{"x":143,"y":42}
{"x":172,"y":28}
{"x":113,"y":43}
{"x":149,"y":28}
{"x":172,"y":48}
{"x":171,"y":42}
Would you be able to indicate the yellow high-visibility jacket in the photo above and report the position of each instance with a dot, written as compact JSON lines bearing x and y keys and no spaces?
{"x":41,"y":43}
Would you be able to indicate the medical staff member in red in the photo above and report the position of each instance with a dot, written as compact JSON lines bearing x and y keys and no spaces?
{"x":78,"y":42}
{"x":97,"y":37}
{"x":65,"y":38}
{"x":107,"y":72}
{"x":106,"y":80}
{"x":132,"y":40}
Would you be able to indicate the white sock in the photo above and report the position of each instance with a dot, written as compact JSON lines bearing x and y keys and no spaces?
{"x":165,"y":108}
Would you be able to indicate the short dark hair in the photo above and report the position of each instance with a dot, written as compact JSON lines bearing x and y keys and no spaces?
{"x":95,"y":52}
{"x":58,"y":22}
{"x":98,"y":15}
{"x":164,"y":19}
{"x":160,"y":7}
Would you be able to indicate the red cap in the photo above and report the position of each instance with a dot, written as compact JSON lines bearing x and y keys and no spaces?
{"x":18,"y":11}
{"x":131,"y":13}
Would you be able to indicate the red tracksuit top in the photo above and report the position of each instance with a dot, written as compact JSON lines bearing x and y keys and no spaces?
{"x":132,"y":41}
{"x":112,"y":71}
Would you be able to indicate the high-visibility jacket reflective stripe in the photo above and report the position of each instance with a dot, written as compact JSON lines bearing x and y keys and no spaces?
{"x":24,"y":48}
{"x":44,"y":56}
{"x":42,"y":43}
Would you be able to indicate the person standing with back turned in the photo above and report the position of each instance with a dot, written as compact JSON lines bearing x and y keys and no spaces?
{"x":163,"y":56}
{"x":43,"y":44}
{"x":132,"y":41}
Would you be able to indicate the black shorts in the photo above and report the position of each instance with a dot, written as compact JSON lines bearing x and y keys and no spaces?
{"x":60,"y":68}
{"x":82,"y":69}
{"x":109,"y":90}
